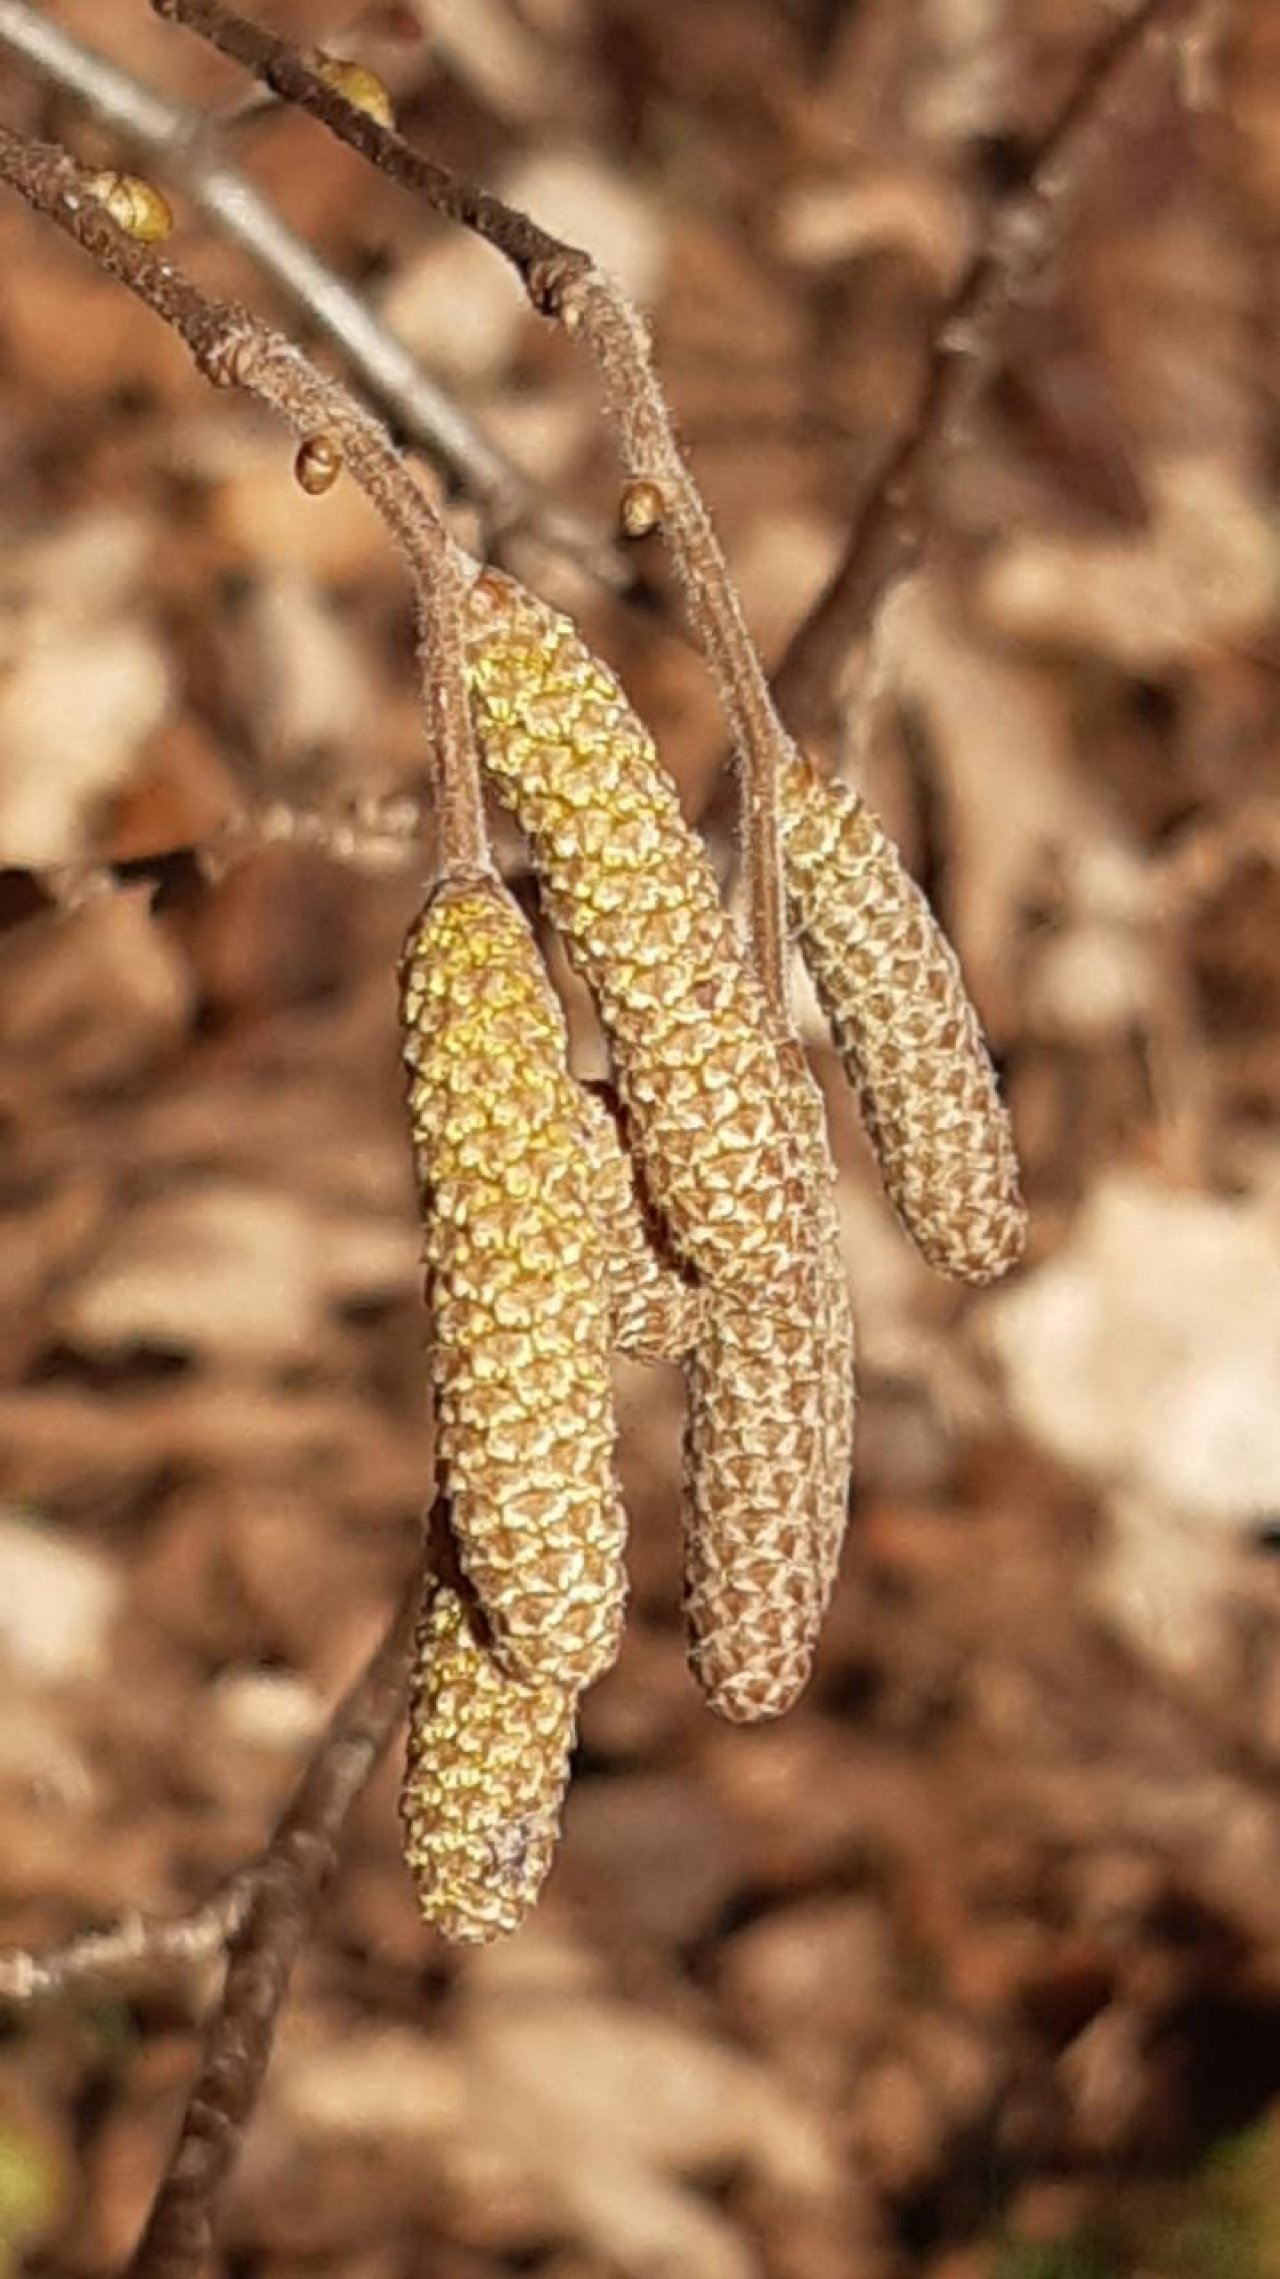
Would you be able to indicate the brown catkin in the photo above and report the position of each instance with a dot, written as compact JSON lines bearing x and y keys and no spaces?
{"x":655,"y":1312}
{"x":485,"y":1776}
{"x":632,"y":892}
{"x":516,"y":1288}
{"x":768,"y":1458}
{"x":891,"y":987}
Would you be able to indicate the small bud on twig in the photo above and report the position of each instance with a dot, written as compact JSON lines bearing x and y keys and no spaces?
{"x":134,"y":205}
{"x":357,"y":85}
{"x":640,"y":509}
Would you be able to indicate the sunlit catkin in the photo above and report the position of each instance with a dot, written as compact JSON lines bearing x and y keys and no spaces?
{"x":891,"y":987}
{"x":632,"y":892}
{"x":768,"y":1456}
{"x":516,"y":1288}
{"x":485,"y":1776}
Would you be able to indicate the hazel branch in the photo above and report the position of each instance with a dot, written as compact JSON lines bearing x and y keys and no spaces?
{"x":235,"y":349}
{"x":564,"y":283}
{"x":176,"y":139}
{"x":889,"y":530}
{"x":262,"y":1949}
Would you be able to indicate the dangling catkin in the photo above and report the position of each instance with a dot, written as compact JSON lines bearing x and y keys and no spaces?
{"x":516,"y":1288}
{"x":768,"y":1456}
{"x":891,"y":987}
{"x":485,"y":1776}
{"x":632,"y":892}
{"x":655,"y":1313}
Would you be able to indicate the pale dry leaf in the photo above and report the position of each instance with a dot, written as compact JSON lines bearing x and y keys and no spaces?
{"x":615,"y":2111}
{"x":241,"y":1274}
{"x":1001,"y":742}
{"x":835,"y":220}
{"x":87,"y":569}
{"x":575,"y":194}
{"x":306,"y":687}
{"x":91,"y":994}
{"x":486,"y":45}
{"x":458,"y":309}
{"x":1168,"y":1587}
{"x":1146,"y":1354}
{"x":75,"y":714}
{"x":58,"y":1600}
{"x":1205,"y":573}
{"x":272,"y":1710}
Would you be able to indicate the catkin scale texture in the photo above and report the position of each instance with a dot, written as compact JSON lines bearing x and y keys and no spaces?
{"x":768,"y":1458}
{"x":891,"y":987}
{"x":634,"y":897}
{"x":516,"y":1288}
{"x":485,"y":1776}
{"x":655,"y":1313}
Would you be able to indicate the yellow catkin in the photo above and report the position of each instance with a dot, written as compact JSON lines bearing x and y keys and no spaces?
{"x":516,"y":1288}
{"x":631,"y":891}
{"x":768,"y":1458}
{"x":655,"y":1312}
{"x":891,"y":987}
{"x":485,"y":1776}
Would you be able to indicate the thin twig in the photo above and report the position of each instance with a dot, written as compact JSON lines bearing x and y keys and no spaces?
{"x":176,"y":139}
{"x":262,"y":1951}
{"x":889,"y":531}
{"x":235,"y":349}
{"x":562,"y":282}
{"x":133,"y":1949}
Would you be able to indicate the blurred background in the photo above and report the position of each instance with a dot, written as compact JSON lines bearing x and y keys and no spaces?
{"x":971,"y":1965}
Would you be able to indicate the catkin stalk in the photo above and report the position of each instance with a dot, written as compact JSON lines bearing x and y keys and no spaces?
{"x":891,"y":987}
{"x":485,"y":1776}
{"x":516,"y":1288}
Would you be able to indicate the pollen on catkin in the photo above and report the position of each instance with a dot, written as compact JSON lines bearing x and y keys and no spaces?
{"x":891,"y":987}
{"x":768,"y":1456}
{"x":516,"y":1288}
{"x":485,"y":1776}
{"x":633,"y":894}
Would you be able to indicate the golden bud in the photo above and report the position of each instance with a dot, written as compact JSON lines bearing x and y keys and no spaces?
{"x":133,"y":204}
{"x":358,"y":86}
{"x":485,"y":1776}
{"x":516,"y":1288}
{"x":640,"y":508}
{"x":318,"y":464}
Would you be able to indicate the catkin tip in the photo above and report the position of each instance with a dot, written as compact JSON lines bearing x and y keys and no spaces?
{"x":485,"y":1775}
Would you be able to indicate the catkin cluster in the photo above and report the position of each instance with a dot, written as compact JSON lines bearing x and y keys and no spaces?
{"x":732,"y":1161}
{"x":687,"y":1214}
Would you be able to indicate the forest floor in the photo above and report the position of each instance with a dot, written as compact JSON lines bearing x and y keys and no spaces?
{"x":971,"y":1965}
